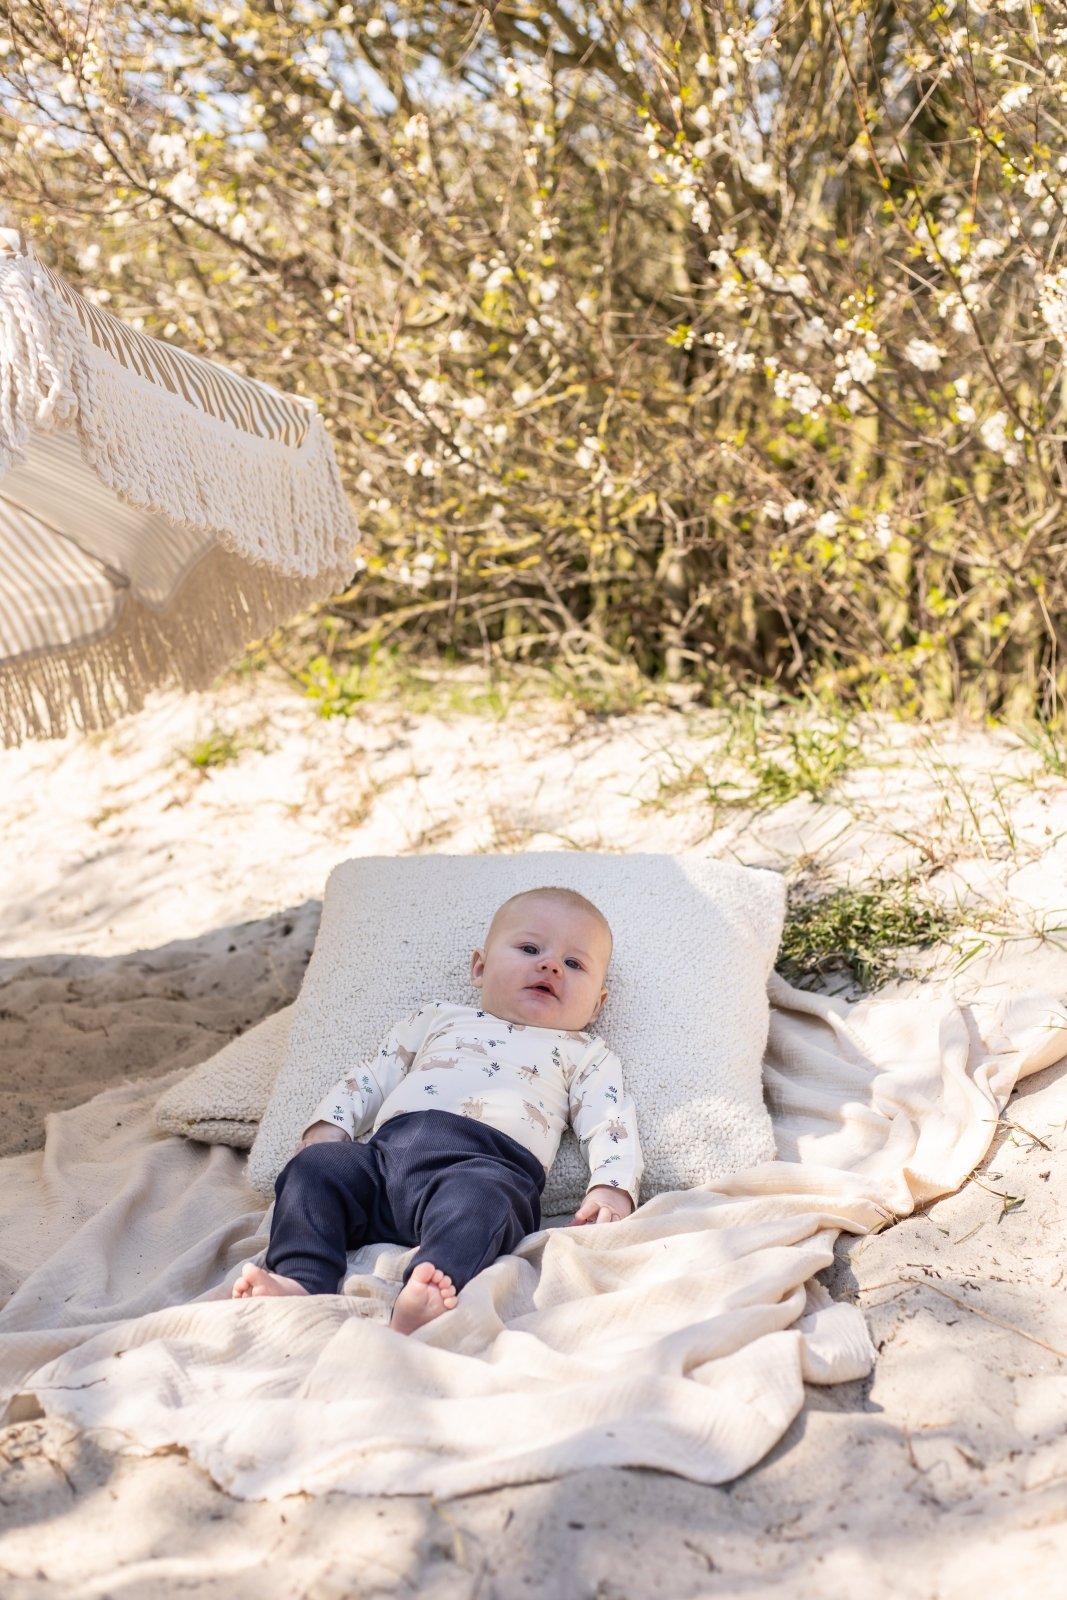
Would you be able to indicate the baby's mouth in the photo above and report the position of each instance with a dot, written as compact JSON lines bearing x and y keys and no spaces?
{"x":543,"y":988}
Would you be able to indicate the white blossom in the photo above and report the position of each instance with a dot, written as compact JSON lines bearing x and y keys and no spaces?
{"x":168,"y":149}
{"x":882,"y":531}
{"x":793,"y":511}
{"x":994,"y":435}
{"x":183,"y":189}
{"x":802,"y":393}
{"x":1015,"y":97}
{"x":861,"y":366}
{"x":376,"y":27}
{"x":419,"y":573}
{"x":924,"y":355}
{"x":736,"y":360}
{"x":472,"y":407}
{"x":813,"y":333}
{"x":1052,"y":298}
{"x":827,"y":524}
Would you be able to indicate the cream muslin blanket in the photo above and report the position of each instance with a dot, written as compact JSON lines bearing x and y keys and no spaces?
{"x":679,"y":1339}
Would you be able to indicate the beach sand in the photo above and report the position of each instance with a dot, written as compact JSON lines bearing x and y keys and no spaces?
{"x":153,"y":909}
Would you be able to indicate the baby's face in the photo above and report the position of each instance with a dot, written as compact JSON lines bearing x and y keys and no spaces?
{"x":543,"y":965}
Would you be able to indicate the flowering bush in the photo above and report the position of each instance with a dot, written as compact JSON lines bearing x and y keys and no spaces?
{"x":723,"y":337}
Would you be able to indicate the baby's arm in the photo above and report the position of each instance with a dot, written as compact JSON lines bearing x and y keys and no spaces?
{"x":350,"y":1106}
{"x":603,"y":1117}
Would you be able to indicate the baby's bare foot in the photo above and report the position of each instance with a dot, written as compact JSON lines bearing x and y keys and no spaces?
{"x":427,"y":1293}
{"x":256,"y":1281}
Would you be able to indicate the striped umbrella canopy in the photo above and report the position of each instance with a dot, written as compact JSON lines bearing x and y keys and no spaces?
{"x":157,"y":512}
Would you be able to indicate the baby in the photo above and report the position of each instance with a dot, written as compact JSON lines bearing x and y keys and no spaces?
{"x":467,"y":1108}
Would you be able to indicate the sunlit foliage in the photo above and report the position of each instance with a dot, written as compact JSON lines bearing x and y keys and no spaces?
{"x":726,"y":337}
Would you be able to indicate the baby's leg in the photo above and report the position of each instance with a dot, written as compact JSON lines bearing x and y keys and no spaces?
{"x":474,"y":1211}
{"x":327,"y":1199}
{"x":466,"y":1192}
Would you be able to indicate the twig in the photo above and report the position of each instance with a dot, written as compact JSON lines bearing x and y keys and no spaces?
{"x":1008,"y":1123}
{"x":988,"y":1316}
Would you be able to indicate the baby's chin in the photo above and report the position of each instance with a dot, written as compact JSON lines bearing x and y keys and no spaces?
{"x":535,"y":1009}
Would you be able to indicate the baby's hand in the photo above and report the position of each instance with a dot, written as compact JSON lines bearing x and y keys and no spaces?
{"x":321,"y":1133}
{"x":603,"y":1204}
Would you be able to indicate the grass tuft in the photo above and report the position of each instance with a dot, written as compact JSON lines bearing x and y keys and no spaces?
{"x":392,"y":675}
{"x":858,"y":933}
{"x":219,"y":748}
{"x":782,"y":759}
{"x":1049,"y":744}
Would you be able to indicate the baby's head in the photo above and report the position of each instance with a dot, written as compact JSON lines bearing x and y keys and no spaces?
{"x":544,"y":960}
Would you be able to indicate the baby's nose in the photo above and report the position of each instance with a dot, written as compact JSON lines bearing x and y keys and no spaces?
{"x":551,"y":963}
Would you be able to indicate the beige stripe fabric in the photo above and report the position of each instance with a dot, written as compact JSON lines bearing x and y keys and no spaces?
{"x":142,"y":551}
{"x":252,"y":406}
{"x":52,"y":595}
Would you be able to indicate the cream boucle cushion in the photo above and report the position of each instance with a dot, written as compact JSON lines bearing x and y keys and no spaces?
{"x":687,"y":1013}
{"x":222,"y":1100}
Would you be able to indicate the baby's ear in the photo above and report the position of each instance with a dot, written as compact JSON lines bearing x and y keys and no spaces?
{"x":477,"y":967}
{"x":598,"y":1008}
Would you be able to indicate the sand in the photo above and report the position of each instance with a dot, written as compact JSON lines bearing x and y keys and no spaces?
{"x":153,"y":909}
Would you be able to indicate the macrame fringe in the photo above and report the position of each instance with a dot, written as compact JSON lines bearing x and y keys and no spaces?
{"x":37,"y":337}
{"x":224,"y":603}
{"x":266,"y":501}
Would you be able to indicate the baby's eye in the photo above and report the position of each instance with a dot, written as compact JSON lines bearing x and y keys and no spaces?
{"x":528,"y":949}
{"x":572,"y":961}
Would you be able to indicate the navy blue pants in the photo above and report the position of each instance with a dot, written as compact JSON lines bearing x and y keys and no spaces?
{"x":462,"y":1192}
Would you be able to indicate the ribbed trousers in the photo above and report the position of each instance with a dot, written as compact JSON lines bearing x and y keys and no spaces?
{"x":463,"y":1192}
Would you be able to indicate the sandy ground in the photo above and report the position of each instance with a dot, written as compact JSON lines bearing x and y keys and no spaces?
{"x":152,"y":910}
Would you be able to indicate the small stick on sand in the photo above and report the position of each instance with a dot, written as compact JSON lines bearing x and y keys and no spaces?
{"x":1001,"y":1322}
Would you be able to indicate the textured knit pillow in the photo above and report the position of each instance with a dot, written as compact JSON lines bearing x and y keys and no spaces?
{"x":222,"y":1100}
{"x":687,"y":1011}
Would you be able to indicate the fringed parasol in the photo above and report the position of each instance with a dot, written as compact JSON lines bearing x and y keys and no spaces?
{"x":157,"y":512}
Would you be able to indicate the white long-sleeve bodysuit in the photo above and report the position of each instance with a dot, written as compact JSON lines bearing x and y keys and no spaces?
{"x":525,"y":1081}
